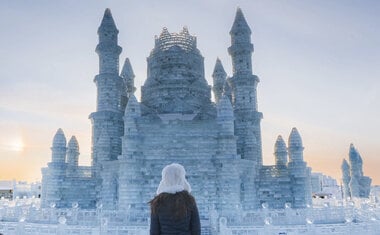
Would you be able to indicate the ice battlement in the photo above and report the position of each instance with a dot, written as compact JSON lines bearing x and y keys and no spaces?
{"x":182,"y":40}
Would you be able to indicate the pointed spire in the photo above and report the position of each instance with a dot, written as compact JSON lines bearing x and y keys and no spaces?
{"x":73,"y":143}
{"x":224,"y":109}
{"x":295,"y":139}
{"x":59,"y":139}
{"x":280,"y":151}
{"x":128,"y":76}
{"x":240,"y":24}
{"x":218,"y":69}
{"x":353,"y":154}
{"x":345,"y":166}
{"x":280,"y":145}
{"x":58,"y":150}
{"x":127,"y":71}
{"x":133,"y":108}
{"x":72,"y":152}
{"x":107,"y":23}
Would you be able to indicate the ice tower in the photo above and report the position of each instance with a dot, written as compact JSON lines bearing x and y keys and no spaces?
{"x":243,"y":90}
{"x":64,"y":183}
{"x":355,"y":184}
{"x":299,"y":172}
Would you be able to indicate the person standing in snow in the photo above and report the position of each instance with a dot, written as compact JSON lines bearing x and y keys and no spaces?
{"x":174,"y":210}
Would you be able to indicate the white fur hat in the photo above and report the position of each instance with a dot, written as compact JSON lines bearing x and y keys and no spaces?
{"x":173,"y":179}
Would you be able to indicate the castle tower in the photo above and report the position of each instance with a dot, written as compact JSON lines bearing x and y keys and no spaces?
{"x":176,"y":83}
{"x":108,"y":118}
{"x":360,"y":185}
{"x":219,"y":78}
{"x":53,"y":175}
{"x":243,"y":92}
{"x":59,"y":147}
{"x":299,"y":172}
{"x":346,"y":179}
{"x":280,"y":152}
{"x":72,"y":155}
{"x":355,"y":171}
{"x":128,"y":77}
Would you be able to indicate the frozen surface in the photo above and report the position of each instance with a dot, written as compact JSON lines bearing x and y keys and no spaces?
{"x":25,"y":217}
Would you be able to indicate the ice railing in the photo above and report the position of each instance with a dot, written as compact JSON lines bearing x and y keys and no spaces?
{"x":24,"y":216}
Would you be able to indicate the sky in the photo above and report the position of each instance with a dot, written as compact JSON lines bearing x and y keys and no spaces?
{"x":318,"y":64}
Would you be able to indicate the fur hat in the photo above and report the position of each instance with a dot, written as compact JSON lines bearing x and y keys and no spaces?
{"x":173,"y":179}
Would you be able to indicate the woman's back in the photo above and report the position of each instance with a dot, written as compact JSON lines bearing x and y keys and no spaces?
{"x":173,"y":210}
{"x":174,"y":214}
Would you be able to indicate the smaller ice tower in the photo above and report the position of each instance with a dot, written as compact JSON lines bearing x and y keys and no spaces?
{"x":299,"y":172}
{"x":355,"y":171}
{"x":72,"y":155}
{"x":53,"y":177}
{"x":243,"y":92}
{"x":219,"y":78}
{"x":128,"y":77}
{"x":346,"y":179}
{"x":359,"y":185}
{"x":59,"y":147}
{"x":280,"y":152}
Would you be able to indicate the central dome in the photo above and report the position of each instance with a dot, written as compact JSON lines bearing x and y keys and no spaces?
{"x":175,"y":82}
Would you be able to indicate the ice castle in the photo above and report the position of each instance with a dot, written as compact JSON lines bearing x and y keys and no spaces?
{"x":219,"y":143}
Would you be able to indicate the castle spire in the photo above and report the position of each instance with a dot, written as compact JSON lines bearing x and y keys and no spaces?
{"x":108,"y":49}
{"x":133,"y":108}
{"x":225,"y":111}
{"x":346,"y":178}
{"x":127,"y":71}
{"x":72,"y":152}
{"x":128,"y":76}
{"x":240,"y":24}
{"x":280,"y":151}
{"x":241,"y":48}
{"x":295,"y":146}
{"x":59,"y":147}
{"x":218,"y":69}
{"x":107,"y":22}
{"x":219,"y":78}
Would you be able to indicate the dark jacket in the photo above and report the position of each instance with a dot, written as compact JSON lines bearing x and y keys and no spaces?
{"x":163,"y":222}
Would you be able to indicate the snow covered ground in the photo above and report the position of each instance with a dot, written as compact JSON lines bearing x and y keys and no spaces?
{"x":24,"y":216}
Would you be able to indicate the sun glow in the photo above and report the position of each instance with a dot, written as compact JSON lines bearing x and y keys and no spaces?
{"x":16,"y":145}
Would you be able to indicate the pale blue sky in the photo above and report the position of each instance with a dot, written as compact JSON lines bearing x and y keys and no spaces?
{"x":318,"y":62}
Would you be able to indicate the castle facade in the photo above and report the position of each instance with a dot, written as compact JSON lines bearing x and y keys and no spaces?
{"x":218,"y":143}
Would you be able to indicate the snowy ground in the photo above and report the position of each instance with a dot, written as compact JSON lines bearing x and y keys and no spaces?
{"x":24,"y":216}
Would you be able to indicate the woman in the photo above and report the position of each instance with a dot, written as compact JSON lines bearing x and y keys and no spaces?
{"x":173,"y":210}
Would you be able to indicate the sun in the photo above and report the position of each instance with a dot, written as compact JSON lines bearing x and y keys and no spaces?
{"x":16,"y":145}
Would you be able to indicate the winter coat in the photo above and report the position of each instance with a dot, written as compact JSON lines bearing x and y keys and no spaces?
{"x":163,"y":222}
